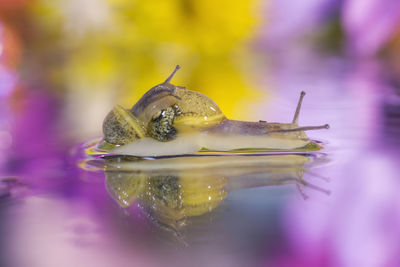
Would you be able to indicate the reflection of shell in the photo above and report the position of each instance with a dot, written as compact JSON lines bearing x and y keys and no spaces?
{"x":174,"y":198}
{"x":164,"y":188}
{"x":201,"y":195}
{"x":171,"y":198}
{"x":171,"y":190}
{"x":125,"y":186}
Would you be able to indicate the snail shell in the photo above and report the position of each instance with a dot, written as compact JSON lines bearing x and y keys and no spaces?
{"x":158,"y":112}
{"x":121,"y":127}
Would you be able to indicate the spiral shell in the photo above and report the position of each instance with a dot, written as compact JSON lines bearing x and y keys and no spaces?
{"x":158,"y":112}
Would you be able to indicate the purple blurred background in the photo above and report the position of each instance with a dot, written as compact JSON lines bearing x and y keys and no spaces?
{"x":64,"y":65}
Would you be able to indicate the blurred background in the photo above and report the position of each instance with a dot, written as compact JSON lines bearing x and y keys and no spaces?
{"x":81,"y":58}
{"x":65,"y":64}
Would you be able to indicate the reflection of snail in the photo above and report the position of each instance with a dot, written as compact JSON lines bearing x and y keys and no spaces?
{"x":172,"y":190}
{"x":168,"y":199}
{"x":170,"y":119}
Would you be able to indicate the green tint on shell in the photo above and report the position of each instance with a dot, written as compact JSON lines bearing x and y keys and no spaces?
{"x":197,"y":109}
{"x":171,"y":197}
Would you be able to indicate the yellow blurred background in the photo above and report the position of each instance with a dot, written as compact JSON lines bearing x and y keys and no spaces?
{"x":92,"y":55}
{"x":98,"y":53}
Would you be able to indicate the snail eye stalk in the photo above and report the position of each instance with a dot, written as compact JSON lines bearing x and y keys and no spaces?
{"x":297,"y":113}
{"x":298,"y":129}
{"x":172,"y":74}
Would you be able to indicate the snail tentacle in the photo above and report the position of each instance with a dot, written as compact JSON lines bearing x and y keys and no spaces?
{"x":297,"y":113}
{"x":172,"y":74}
{"x":298,"y":129}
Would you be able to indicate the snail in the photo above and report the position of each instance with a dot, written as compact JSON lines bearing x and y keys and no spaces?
{"x":172,"y":120}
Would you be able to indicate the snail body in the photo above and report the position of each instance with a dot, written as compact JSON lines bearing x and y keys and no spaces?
{"x":171,"y":120}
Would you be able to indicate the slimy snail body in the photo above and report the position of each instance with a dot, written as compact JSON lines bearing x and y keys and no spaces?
{"x":172,"y":120}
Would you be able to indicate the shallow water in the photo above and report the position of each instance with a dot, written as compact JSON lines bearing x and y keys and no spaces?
{"x":335,"y":207}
